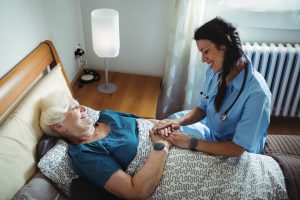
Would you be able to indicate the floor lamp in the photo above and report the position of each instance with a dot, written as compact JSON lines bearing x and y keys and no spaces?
{"x":106,"y":40}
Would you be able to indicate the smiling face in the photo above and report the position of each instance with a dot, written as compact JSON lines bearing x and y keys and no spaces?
{"x":77,"y":123}
{"x":211,"y":54}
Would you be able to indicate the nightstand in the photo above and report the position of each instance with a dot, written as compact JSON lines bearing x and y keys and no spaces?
{"x":136,"y":94}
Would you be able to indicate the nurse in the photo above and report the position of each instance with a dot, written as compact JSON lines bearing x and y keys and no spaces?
{"x":233,"y":112}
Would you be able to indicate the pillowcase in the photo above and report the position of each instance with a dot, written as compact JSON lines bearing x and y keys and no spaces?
{"x":57,"y":166}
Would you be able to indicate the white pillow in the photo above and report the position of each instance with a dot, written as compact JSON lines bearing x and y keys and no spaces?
{"x":56,"y":165}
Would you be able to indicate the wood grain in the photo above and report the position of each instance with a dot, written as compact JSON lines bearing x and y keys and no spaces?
{"x":15,"y":82}
{"x":284,"y":126}
{"x":136,"y":94}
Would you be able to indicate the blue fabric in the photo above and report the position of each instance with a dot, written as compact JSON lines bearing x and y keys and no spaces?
{"x":98,"y":160}
{"x":249,"y":118}
{"x":198,"y":130}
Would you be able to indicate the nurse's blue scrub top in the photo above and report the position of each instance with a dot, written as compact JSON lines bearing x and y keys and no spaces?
{"x":248,"y":119}
{"x":98,"y":160}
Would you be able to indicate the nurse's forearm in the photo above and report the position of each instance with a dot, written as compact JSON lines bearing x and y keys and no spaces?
{"x":220,"y":148}
{"x":192,"y":117}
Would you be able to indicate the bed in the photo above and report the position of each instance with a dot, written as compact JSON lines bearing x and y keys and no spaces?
{"x":21,"y":90}
{"x":23,"y":145}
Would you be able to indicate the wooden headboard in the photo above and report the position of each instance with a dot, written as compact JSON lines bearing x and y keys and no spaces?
{"x":15,"y":82}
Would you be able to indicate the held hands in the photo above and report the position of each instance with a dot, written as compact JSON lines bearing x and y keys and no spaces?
{"x":165,"y":127}
{"x":158,"y":138}
{"x":179,"y":139}
{"x":169,"y":131}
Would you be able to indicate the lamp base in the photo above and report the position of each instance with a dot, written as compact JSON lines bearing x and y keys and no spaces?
{"x":109,"y":88}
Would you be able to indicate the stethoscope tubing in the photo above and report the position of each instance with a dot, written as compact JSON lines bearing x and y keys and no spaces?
{"x":209,"y":93}
{"x":223,"y":116}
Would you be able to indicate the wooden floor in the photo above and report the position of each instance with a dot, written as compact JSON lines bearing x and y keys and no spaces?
{"x":143,"y":102}
{"x":136,"y":94}
{"x":284,"y":126}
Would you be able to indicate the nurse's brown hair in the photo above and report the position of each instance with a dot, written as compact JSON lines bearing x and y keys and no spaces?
{"x":220,"y":32}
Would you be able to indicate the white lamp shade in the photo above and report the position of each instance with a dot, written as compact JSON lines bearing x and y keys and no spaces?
{"x":105,"y":32}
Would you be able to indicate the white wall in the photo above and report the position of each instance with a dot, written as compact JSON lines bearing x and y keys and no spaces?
{"x":23,"y":27}
{"x":25,"y":24}
{"x":144,"y":30}
{"x":65,"y":30}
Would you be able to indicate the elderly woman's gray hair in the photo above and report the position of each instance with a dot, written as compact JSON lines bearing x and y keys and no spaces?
{"x":53,"y":106}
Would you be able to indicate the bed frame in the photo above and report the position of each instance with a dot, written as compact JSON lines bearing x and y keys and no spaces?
{"x":15,"y":83}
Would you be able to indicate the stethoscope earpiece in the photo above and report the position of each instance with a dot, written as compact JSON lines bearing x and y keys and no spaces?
{"x":205,"y":96}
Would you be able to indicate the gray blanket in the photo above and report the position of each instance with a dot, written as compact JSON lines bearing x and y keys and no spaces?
{"x":196,"y":175}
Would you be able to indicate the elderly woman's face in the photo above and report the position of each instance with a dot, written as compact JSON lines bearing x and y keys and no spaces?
{"x":212,"y":55}
{"x":76,"y":121}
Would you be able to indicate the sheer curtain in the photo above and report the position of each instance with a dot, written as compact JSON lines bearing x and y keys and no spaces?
{"x":184,"y":71}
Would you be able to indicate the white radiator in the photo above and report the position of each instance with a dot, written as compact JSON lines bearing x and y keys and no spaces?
{"x":280,"y":65}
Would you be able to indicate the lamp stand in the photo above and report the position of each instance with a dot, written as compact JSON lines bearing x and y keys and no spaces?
{"x":106,"y":87}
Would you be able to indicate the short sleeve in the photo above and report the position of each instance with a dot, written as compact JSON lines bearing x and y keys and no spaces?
{"x":96,"y":166}
{"x":250,"y":132}
{"x":202,"y":104}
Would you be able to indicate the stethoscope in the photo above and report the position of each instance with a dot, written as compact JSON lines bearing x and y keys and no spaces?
{"x":223,"y":116}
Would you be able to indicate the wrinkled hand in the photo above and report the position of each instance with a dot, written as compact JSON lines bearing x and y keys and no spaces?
{"x":178,"y":139}
{"x":159,"y":138}
{"x":165,"y":127}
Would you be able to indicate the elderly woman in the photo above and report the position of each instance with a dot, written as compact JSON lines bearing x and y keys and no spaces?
{"x":117,"y":153}
{"x":102,"y":151}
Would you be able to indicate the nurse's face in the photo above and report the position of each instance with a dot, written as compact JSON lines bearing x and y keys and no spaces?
{"x":211,"y":54}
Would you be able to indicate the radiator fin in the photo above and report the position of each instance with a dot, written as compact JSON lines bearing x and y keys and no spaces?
{"x":280,"y":65}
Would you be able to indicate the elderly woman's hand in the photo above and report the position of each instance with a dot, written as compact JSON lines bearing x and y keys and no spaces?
{"x":159,"y":138}
{"x":165,"y":127}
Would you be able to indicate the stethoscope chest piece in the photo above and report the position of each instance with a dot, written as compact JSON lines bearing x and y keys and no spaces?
{"x":223,"y":117}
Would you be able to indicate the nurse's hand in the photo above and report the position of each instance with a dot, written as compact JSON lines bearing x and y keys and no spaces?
{"x":178,"y":139}
{"x":165,"y":127}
